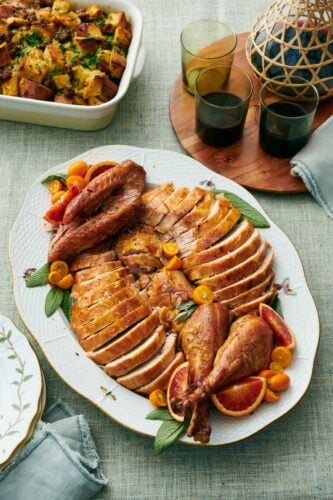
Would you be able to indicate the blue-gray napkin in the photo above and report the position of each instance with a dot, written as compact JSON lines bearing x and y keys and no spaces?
{"x":59,"y":463}
{"x":314,"y":164}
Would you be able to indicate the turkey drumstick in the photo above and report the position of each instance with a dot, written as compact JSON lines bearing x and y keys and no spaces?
{"x":201,"y":337}
{"x":246,"y":351}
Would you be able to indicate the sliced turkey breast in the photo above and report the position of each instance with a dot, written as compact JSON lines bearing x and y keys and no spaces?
{"x":120,"y":325}
{"x":244,"y":284}
{"x":197,"y":214}
{"x":212,"y":235}
{"x":96,"y":283}
{"x":113,"y":313}
{"x":235,"y":238}
{"x":162,"y":380}
{"x":238,"y":272}
{"x":156,"y":209}
{"x":137,"y":356}
{"x":227,"y":261}
{"x":108,"y":288}
{"x":253,"y":305}
{"x":178,"y":211}
{"x":94,"y":272}
{"x":250,"y":294}
{"x":83,"y":315}
{"x":152,"y":368}
{"x":84,"y":261}
{"x":127,"y":341}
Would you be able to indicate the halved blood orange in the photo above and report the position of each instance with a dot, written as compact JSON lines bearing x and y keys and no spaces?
{"x":177,"y":386}
{"x":282,"y":334}
{"x":241,"y":398}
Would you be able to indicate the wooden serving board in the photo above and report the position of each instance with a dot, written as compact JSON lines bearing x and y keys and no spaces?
{"x":244,"y":161}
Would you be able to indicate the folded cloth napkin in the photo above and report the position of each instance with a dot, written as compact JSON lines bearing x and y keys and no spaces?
{"x":60,"y":461}
{"x":314,"y":164}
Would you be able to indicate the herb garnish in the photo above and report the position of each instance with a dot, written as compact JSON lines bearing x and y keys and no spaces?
{"x":53,"y":177}
{"x":169,"y":431}
{"x":53,"y":300}
{"x":186,"y":310}
{"x":247,"y":211}
{"x":277,"y":306}
{"x":34,"y":39}
{"x":39,"y":277}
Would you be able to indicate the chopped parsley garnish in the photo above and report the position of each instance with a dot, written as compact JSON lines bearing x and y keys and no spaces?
{"x":109,"y":39}
{"x":34,"y":39}
{"x":89,"y":60}
{"x":99,"y":21}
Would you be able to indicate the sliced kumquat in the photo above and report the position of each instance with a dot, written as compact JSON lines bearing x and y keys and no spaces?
{"x":158,"y":398}
{"x":267,"y":374}
{"x":271,"y":396}
{"x":56,"y":197}
{"x":66,"y":282}
{"x":174,"y":263}
{"x":276,"y":367}
{"x":202,"y":294}
{"x":279,"y":382}
{"x":282,"y":355}
{"x":79,"y":167}
{"x":54,"y":277}
{"x":170,"y":249}
{"x":54,"y":186}
{"x":76,"y":180}
{"x":60,"y":267}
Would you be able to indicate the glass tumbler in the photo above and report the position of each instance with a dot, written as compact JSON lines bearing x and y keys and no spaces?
{"x":287,"y":109}
{"x":205,"y":43}
{"x":222,"y":96}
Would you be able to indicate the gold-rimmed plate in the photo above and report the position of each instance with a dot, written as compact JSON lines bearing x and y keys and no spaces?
{"x":28,"y":248}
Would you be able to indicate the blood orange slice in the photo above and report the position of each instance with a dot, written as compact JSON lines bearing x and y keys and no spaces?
{"x":177,"y":386}
{"x":241,"y":398}
{"x":282,"y":334}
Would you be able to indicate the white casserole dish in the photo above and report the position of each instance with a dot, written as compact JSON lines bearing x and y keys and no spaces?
{"x":72,"y":116}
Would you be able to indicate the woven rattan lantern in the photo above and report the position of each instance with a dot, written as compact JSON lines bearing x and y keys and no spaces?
{"x":295,"y":37}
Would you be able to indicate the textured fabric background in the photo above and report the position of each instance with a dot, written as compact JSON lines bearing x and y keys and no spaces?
{"x":292,"y":458}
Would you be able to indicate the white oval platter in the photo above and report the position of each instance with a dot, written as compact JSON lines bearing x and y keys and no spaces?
{"x":21,"y":387}
{"x":28,"y":248}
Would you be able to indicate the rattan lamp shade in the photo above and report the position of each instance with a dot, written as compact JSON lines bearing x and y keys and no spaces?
{"x":295,"y":38}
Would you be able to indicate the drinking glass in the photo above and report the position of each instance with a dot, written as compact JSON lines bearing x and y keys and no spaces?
{"x":205,"y":43}
{"x":287,"y":109}
{"x":222,"y":95}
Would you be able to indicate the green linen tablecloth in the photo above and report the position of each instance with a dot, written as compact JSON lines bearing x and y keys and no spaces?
{"x":292,"y":458}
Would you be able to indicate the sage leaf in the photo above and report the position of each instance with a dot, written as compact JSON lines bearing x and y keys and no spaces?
{"x":277,"y":306}
{"x":159,"y":414}
{"x":247,"y":210}
{"x":39,"y":277}
{"x":186,"y":305}
{"x":66,"y":304}
{"x":184,"y":315}
{"x":55,"y":177}
{"x":168,"y":433}
{"x":53,"y":300}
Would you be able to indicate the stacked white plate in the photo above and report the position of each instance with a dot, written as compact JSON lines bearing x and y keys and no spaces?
{"x":22,"y":391}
